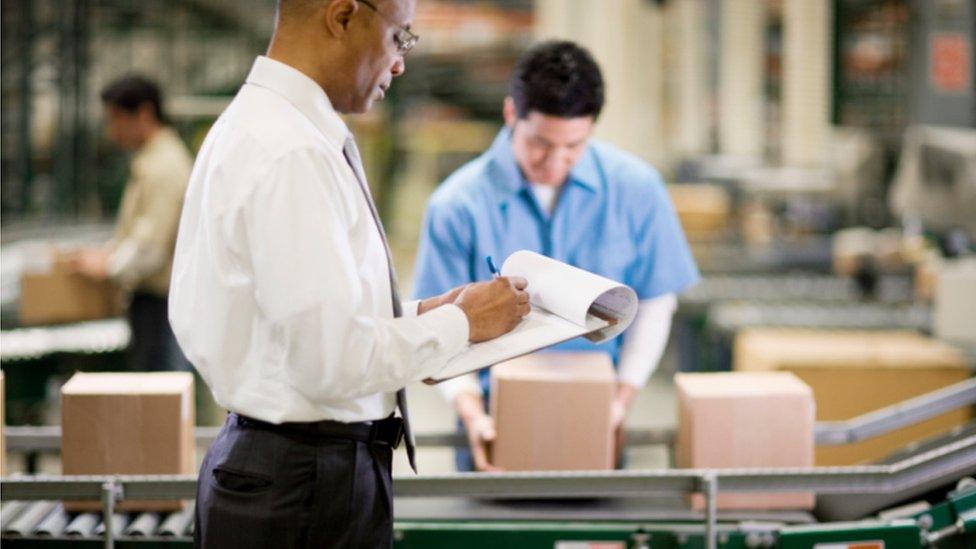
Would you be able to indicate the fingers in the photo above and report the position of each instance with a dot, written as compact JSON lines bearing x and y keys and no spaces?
{"x":484,"y":434}
{"x":480,"y":455}
{"x":488,"y":429}
{"x":517,"y":282}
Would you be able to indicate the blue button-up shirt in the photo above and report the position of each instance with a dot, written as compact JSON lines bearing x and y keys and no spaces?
{"x":613,"y":217}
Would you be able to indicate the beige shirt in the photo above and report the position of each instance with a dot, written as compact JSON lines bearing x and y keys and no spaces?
{"x":145,"y":233}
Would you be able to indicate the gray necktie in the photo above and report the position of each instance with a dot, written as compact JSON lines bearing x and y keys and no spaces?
{"x":351,"y":153}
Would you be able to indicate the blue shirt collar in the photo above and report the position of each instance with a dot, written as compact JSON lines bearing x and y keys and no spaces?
{"x":511,"y":180}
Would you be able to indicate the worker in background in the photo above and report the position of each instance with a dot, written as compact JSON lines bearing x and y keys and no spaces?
{"x":285,"y":300}
{"x":140,"y":255}
{"x":546,"y":186}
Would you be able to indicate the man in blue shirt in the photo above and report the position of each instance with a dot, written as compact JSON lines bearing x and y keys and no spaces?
{"x":545,"y":186}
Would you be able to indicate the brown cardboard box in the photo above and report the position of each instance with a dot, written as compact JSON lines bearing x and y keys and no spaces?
{"x":128,"y":424}
{"x":3,"y":435}
{"x":552,"y":412}
{"x":856,"y":372}
{"x":703,"y":209}
{"x":55,"y":294}
{"x":748,"y":419}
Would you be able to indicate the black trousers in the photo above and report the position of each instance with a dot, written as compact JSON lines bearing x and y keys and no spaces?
{"x":152,"y":347}
{"x":263,"y":487}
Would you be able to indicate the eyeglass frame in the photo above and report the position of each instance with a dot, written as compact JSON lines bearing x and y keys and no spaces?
{"x":404,"y":38}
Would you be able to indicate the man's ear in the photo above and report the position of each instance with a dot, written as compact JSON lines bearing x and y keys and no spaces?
{"x":338,"y":14}
{"x":509,"y":113}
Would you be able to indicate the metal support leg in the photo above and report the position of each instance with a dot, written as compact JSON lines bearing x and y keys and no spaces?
{"x":111,"y":492}
{"x":710,"y":490}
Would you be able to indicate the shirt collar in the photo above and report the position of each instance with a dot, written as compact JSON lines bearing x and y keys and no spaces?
{"x":302,"y":92}
{"x":584,"y":173}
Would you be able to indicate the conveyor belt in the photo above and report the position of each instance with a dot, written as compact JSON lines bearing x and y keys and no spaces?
{"x":730,"y":317}
{"x":48,"y":520}
{"x":812,"y":254}
{"x":815,"y":288}
{"x":98,"y":336}
{"x":943,"y":464}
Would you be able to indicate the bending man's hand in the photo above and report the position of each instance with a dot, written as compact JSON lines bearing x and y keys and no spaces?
{"x":623,"y":395}
{"x":480,"y":428}
{"x":493,"y":308}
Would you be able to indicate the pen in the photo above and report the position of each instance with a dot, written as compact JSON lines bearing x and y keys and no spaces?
{"x":491,"y":267}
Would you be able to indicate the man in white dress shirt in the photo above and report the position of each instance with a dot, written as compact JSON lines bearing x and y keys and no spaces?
{"x":283,"y":296}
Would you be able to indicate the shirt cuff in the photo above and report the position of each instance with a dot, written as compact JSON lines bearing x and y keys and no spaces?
{"x":468,"y":383}
{"x":452,"y":324}
{"x":410,"y":308}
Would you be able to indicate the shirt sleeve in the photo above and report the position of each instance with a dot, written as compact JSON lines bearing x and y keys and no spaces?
{"x":665,"y":263}
{"x":645,"y":340}
{"x":147,"y":247}
{"x":308,"y":285}
{"x":444,"y":256}
{"x":468,"y":383}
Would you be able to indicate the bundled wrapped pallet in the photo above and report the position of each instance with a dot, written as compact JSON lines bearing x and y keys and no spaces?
{"x":552,"y":412}
{"x":856,"y":372}
{"x":745,"y":420}
{"x":128,"y":424}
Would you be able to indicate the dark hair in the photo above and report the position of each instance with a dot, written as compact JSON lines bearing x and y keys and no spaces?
{"x":132,"y":91}
{"x":557,"y":78}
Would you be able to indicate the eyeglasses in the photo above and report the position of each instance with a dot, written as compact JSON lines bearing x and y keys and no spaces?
{"x":404,"y":39}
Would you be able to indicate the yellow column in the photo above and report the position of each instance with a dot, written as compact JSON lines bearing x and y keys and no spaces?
{"x":741,"y":77}
{"x":806,"y":82}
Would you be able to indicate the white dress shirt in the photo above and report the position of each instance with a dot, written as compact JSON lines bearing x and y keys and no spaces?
{"x":280,"y":294}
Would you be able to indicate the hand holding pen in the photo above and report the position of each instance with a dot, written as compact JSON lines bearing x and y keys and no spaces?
{"x":493,"y":307}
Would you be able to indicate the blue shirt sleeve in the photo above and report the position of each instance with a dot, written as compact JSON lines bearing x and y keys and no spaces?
{"x":444,"y":256}
{"x":664,"y":262}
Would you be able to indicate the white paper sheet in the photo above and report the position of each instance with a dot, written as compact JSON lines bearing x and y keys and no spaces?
{"x":563,"y":300}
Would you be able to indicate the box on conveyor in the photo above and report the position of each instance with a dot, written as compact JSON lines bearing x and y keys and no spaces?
{"x":128,"y":424}
{"x":52,"y":293}
{"x":552,"y":412}
{"x":856,"y":372}
{"x":703,"y":209}
{"x":745,"y":420}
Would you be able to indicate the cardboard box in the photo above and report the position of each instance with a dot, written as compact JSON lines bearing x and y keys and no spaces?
{"x":128,"y":424}
{"x":856,"y":372}
{"x":745,"y":420}
{"x":552,"y":412}
{"x":703,"y":209}
{"x":955,"y":301}
{"x":52,"y":293}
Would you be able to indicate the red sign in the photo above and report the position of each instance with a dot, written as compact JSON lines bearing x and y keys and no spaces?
{"x":950,"y":63}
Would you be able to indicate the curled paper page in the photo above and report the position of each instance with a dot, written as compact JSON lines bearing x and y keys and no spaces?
{"x":566,"y":302}
{"x":574,"y":294}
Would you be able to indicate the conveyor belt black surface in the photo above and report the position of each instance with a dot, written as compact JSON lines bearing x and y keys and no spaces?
{"x":48,"y":520}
